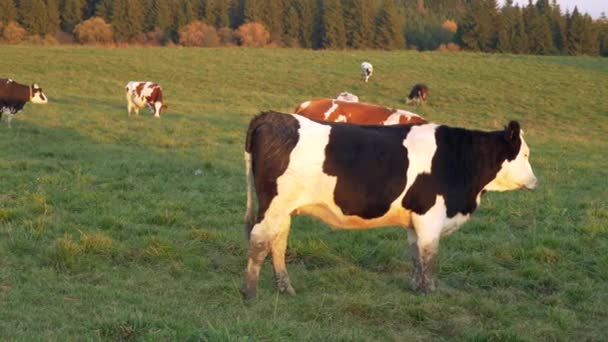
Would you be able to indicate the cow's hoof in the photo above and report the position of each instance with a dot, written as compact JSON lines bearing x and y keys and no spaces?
{"x":248,"y":294}
{"x":288,"y":290}
{"x":423,"y":287}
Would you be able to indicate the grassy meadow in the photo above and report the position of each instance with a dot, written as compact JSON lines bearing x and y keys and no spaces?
{"x":130,"y":228}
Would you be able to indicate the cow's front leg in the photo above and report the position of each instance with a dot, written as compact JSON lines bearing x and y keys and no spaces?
{"x":424,"y":244}
{"x":424,"y":262}
{"x":9,"y":118}
{"x":279,"y":246}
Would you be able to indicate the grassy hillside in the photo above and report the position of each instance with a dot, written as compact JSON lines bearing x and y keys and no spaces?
{"x":131,"y":228}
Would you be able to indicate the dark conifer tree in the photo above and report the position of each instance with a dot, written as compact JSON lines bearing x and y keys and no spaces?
{"x":292,"y":26}
{"x":332,"y":32}
{"x":33,"y":17}
{"x":506,"y":33}
{"x":127,"y":19}
{"x":222,"y":13}
{"x":519,"y":40}
{"x":590,"y":36}
{"x":72,"y":13}
{"x":104,"y":9}
{"x":557,"y":22}
{"x":273,"y":18}
{"x":253,"y":10}
{"x":307,"y":13}
{"x":574,"y":32}
{"x":540,"y":39}
{"x":389,"y":33}
{"x":159,"y":15}
{"x":359,"y":23}
{"x":53,"y":18}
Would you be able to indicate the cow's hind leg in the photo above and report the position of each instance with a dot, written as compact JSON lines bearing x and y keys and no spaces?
{"x":263,"y":236}
{"x":279,"y":246}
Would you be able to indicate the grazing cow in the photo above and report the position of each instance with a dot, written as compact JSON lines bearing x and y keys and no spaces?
{"x":13,"y":96}
{"x":366,"y":71}
{"x":418,"y":94}
{"x":141,"y":94}
{"x":356,"y":112}
{"x":348,"y":97}
{"x":429,"y":178}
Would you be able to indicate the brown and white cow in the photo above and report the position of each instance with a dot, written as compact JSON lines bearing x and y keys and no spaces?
{"x":426,"y":178}
{"x":356,"y":112}
{"x":142,"y":94}
{"x":13,"y":96}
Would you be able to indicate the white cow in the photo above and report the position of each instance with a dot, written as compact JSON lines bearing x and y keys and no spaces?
{"x":366,"y":70}
{"x":348,"y":97}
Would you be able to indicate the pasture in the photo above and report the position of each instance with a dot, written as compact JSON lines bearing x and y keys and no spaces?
{"x":121,"y":228}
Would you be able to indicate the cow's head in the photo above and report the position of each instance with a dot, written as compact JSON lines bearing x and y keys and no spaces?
{"x":36,"y":95}
{"x":516,"y":171}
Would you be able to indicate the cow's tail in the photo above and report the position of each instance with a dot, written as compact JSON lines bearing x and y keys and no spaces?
{"x":249,"y":210}
{"x":249,"y":214}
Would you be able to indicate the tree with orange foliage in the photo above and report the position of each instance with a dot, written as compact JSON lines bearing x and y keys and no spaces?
{"x":12,"y":33}
{"x":253,"y":35}
{"x":450,"y":25}
{"x":197,"y":33}
{"x":93,"y":31}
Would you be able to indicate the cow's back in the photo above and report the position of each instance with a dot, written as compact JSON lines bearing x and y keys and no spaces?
{"x":356,"y":112}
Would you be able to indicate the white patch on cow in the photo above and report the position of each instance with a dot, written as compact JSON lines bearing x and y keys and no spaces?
{"x":39,"y":98}
{"x":333,"y":107}
{"x":394,"y":118}
{"x":421,"y":147}
{"x":304,"y":105}
{"x":515,"y":174}
{"x":341,"y":118}
{"x":453,"y":223}
{"x":433,"y":224}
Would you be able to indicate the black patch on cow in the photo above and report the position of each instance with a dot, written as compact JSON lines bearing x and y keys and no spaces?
{"x":370,"y":163}
{"x":13,"y":96}
{"x":464,"y":163}
{"x":270,"y":139}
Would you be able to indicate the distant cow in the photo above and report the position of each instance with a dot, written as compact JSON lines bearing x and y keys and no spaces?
{"x":418,"y":94}
{"x":366,"y":70}
{"x":348,"y":97}
{"x":356,"y":112}
{"x":428,"y":178}
{"x":13,"y":96}
{"x":142,"y":94}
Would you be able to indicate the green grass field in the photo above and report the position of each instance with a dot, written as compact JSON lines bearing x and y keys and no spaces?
{"x":125,"y":228}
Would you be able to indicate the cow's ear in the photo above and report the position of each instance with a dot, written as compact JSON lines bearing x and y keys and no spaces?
{"x":512,"y":131}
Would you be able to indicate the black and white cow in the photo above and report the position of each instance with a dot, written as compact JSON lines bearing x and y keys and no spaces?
{"x":425,"y":177}
{"x":418,"y":94}
{"x":13,"y":96}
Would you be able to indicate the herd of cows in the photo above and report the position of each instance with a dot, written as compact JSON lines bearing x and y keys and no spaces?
{"x":353,"y":165}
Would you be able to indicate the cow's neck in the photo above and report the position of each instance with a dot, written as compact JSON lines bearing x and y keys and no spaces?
{"x":492,"y":151}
